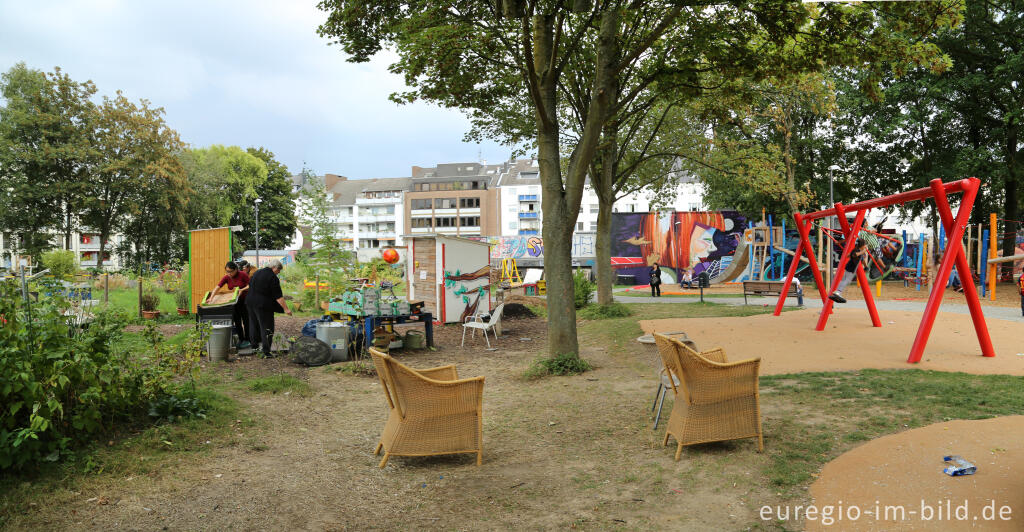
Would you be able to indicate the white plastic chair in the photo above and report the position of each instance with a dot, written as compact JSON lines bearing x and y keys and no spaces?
{"x":492,"y":324}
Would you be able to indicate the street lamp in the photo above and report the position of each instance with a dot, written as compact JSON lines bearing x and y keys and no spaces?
{"x":258,"y":201}
{"x":831,"y":203}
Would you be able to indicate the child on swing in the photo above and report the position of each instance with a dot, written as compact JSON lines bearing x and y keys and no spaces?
{"x":859,"y":252}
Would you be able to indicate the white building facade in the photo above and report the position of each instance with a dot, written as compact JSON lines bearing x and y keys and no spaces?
{"x":520,"y":192}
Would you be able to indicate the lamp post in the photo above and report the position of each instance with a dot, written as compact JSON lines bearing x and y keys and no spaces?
{"x":831,"y":203}
{"x":258,"y":201}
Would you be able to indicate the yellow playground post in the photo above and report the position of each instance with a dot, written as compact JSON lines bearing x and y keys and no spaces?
{"x":992,"y":254}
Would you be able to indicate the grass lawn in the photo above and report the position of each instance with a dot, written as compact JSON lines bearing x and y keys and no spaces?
{"x":563,"y":452}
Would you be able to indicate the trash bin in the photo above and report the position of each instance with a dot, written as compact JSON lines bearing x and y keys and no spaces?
{"x":335,"y":335}
{"x":219,"y":342}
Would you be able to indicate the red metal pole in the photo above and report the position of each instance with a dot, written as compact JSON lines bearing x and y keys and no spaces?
{"x":955,"y":230}
{"x":963,"y":266}
{"x":862,"y":278}
{"x":792,"y":269}
{"x":805,"y":226}
{"x":885,"y":201}
{"x":850,"y":233}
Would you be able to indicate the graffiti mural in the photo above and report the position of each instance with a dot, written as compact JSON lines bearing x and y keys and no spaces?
{"x":532,"y":246}
{"x":701,"y":241}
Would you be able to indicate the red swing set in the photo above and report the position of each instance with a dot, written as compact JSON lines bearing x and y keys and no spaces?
{"x":954,"y":255}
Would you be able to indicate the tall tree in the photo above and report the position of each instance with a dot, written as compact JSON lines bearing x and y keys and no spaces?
{"x":138,"y":166}
{"x":225,"y":180}
{"x":46,"y":153}
{"x":277,"y":211}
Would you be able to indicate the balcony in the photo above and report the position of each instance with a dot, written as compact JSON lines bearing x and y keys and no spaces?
{"x":528,"y":215}
{"x":528,"y":197}
{"x":364,"y":218}
{"x":529,"y":231}
{"x":379,"y":201}
{"x":379,"y":235}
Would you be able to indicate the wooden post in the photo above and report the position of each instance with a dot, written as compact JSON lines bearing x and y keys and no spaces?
{"x":140,"y":296}
{"x":821,"y":245}
{"x":981,"y":256}
{"x":317,"y":309}
{"x":106,"y":287}
{"x":992,"y":245}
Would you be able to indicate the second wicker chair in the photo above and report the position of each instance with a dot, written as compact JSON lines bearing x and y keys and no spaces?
{"x":715,"y":400}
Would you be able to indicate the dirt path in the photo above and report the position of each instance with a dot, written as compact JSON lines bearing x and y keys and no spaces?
{"x":550,"y":460}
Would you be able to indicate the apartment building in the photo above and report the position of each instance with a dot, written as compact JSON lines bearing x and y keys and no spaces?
{"x":85,"y":244}
{"x":369,"y":213}
{"x":520,"y":194}
{"x":520,"y":200}
{"x":458,"y":199}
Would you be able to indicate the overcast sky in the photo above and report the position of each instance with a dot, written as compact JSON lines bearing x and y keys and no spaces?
{"x":251,"y":73}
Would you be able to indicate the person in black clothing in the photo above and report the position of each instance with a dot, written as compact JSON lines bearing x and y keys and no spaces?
{"x":265,"y":298}
{"x":859,"y":252}
{"x":655,"y":280}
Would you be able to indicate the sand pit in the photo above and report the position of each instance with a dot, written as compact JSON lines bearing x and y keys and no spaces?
{"x":789,"y":343}
{"x":904,"y":471}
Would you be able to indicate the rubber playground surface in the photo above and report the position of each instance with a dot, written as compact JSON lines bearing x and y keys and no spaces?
{"x":900,"y":477}
{"x":789,"y":343}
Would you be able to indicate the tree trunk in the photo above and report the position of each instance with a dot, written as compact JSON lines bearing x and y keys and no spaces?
{"x":559,"y":220}
{"x":1011,"y":185}
{"x":603,"y":251}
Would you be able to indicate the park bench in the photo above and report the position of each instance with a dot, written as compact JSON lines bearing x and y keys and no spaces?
{"x":766,"y":288}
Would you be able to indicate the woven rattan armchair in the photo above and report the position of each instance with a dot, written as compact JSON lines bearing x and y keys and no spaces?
{"x":716,"y":399}
{"x":432,"y":411}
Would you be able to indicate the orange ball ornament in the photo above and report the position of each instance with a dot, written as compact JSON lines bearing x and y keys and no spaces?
{"x":390,"y":255}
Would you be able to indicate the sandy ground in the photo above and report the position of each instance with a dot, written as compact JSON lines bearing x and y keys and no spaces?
{"x":789,"y":343}
{"x":904,"y":470}
{"x":1006,"y":293}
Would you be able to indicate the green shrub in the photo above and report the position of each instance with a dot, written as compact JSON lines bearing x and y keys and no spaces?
{"x":563,"y":364}
{"x":59,"y":389}
{"x":62,"y":263}
{"x":182,"y":297}
{"x":604,"y":312}
{"x":583,"y":288}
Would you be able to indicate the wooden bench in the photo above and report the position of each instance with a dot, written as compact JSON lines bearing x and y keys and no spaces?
{"x":766,"y":288}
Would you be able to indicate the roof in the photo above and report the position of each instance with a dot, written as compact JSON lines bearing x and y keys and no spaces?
{"x":520,"y":172}
{"x":345,"y":192}
{"x":449,"y":237}
{"x":384,"y":183}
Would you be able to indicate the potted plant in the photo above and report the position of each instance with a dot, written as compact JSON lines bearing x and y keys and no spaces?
{"x":181,"y":299}
{"x":150,"y":302}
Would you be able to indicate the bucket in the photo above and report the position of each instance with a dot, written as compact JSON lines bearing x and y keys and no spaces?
{"x":219,"y":342}
{"x":335,"y":335}
{"x":413,"y":340}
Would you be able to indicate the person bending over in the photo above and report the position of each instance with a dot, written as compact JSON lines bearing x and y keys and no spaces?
{"x":859,"y":252}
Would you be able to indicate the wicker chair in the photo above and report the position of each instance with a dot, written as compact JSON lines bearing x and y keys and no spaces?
{"x":716,"y":400}
{"x":432,"y":411}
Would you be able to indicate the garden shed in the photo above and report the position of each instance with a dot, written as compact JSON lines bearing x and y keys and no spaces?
{"x":208,"y":251}
{"x":451,"y":275}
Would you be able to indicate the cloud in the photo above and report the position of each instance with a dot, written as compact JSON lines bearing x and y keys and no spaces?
{"x":246,"y":73}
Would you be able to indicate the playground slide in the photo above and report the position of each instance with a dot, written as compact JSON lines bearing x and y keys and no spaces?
{"x":736,"y":268}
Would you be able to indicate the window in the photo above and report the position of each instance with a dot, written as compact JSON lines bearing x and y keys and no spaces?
{"x":422,"y":222}
{"x":469,"y":221}
{"x":423,"y":187}
{"x":513,"y":225}
{"x":632,"y":207}
{"x":421,"y":204}
{"x":469,"y":203}
{"x":444,"y":203}
{"x":579,"y":226}
{"x":593,"y":226}
{"x":593,"y":209}
{"x":444,"y":221}
{"x":390,"y":209}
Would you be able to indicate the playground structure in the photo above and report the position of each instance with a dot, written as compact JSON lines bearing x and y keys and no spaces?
{"x":955,"y":253}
